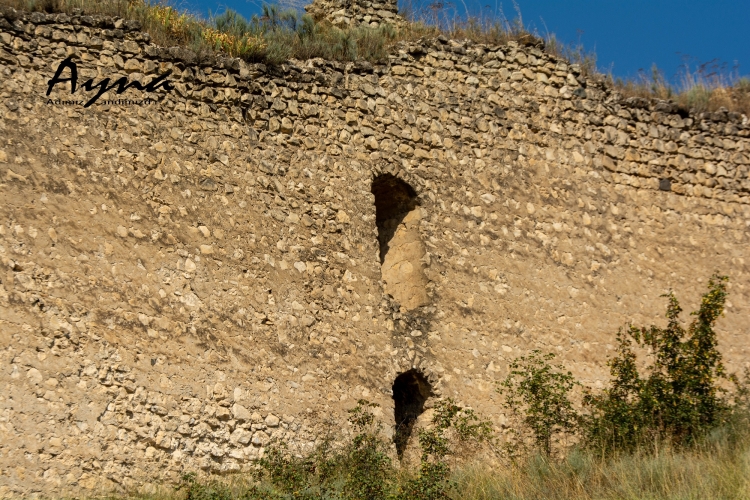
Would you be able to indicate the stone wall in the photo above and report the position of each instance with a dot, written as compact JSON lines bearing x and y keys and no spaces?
{"x":185,"y":281}
{"x":352,"y":13}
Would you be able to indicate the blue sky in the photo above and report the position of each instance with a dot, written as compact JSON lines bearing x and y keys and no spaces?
{"x":627,"y":35}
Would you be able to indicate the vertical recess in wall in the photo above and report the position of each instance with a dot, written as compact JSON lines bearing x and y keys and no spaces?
{"x":410,"y":391}
{"x":401,"y":249}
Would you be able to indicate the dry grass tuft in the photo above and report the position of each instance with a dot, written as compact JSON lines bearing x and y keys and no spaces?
{"x":667,"y":474}
{"x":279,"y":35}
{"x":708,"y":88}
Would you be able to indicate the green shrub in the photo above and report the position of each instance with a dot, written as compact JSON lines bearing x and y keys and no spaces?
{"x":697,"y":98}
{"x":678,"y":399}
{"x":539,"y":394}
{"x":361,"y":469}
{"x":199,"y":490}
{"x":368,"y":467}
{"x":306,"y":39}
{"x":291,"y":476}
{"x":432,"y":483}
{"x":373,"y":43}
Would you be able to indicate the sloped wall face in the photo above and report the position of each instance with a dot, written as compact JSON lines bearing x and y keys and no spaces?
{"x":186,"y":281}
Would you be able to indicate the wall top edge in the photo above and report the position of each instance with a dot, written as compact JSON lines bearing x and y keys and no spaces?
{"x":116,"y":28}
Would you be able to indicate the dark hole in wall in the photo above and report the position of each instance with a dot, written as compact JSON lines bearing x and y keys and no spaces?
{"x":410,"y":391}
{"x":394,"y":199}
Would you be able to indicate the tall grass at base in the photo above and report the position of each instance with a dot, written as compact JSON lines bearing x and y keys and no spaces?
{"x":716,"y":468}
{"x":711,"y":471}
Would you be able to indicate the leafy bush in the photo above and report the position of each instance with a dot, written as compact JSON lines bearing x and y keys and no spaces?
{"x":291,"y":476}
{"x":366,"y":459}
{"x":359,"y":470}
{"x":432,"y":483}
{"x":678,"y":399}
{"x":538,"y":394}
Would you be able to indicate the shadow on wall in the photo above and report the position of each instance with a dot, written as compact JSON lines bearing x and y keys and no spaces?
{"x":397,"y":216}
{"x":410,"y":391}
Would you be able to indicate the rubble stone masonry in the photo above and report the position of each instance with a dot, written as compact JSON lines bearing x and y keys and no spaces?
{"x":187,"y":279}
{"x":352,"y":13}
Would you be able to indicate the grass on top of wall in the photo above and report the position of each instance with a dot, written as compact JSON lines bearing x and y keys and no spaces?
{"x":707,"y":88}
{"x":279,"y":34}
{"x":274,"y":37}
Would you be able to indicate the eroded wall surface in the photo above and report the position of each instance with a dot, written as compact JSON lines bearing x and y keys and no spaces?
{"x":183,"y":282}
{"x":401,"y":270}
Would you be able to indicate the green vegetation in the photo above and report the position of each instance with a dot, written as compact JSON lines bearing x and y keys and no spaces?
{"x":433,"y":481}
{"x":537,"y":396}
{"x":273,"y":37}
{"x":282,"y":34}
{"x":713,"y":470}
{"x":279,"y":35}
{"x":707,"y":88}
{"x":678,"y":399}
{"x":360,"y":470}
{"x":675,"y":400}
{"x":664,"y":428}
